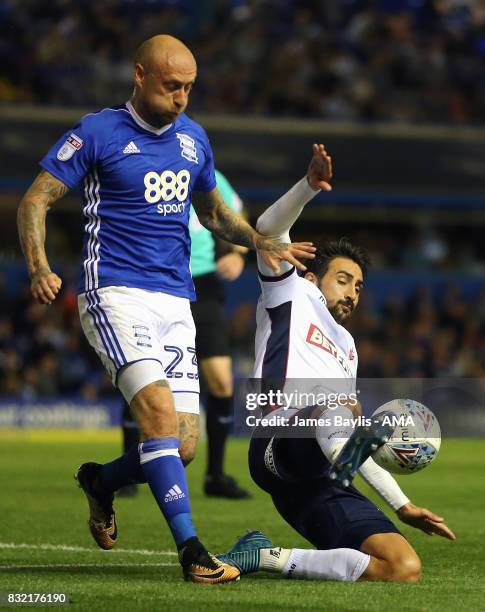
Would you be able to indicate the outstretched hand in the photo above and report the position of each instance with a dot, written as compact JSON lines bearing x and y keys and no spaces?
{"x":273,"y":253}
{"x":424,"y":519}
{"x":319,"y":171}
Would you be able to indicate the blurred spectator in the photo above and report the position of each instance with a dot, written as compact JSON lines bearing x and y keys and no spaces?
{"x":43,"y":352}
{"x":390,"y":60}
{"x":428,"y":337}
{"x":434,"y":331}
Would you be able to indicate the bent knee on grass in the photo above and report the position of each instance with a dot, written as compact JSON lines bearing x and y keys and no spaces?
{"x":403,"y":569}
{"x":393,"y":559}
{"x":407,"y":569}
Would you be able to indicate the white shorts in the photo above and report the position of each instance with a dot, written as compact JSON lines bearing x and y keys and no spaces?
{"x":126,"y":325}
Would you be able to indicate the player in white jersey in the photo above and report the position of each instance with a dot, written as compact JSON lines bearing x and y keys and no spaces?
{"x":319,"y":348}
{"x":141,"y":165}
{"x":300,"y":337}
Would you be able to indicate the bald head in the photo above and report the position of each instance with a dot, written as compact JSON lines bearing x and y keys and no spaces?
{"x":163,"y":51}
{"x":165,"y":71}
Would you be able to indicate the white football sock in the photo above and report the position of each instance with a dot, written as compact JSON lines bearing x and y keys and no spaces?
{"x":331,"y":438}
{"x":273,"y":559}
{"x":344,"y":564}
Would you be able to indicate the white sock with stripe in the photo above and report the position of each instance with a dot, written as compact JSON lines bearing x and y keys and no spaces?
{"x":273,"y":559}
{"x":343,"y":564}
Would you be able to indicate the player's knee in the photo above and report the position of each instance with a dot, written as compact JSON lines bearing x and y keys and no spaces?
{"x":218,"y":376}
{"x":159,"y":422}
{"x":220,"y":385}
{"x":221,"y":389}
{"x":406,"y":569}
{"x":155,"y":412}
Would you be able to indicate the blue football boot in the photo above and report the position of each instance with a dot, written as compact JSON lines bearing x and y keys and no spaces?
{"x":364,"y":441}
{"x":245,"y":553}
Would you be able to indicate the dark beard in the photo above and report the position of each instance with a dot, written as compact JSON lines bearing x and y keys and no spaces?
{"x":339,"y":315}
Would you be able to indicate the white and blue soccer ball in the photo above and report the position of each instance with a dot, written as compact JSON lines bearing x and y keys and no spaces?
{"x":416,"y":440}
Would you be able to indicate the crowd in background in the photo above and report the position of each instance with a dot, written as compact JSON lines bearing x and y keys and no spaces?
{"x":390,"y":60}
{"x":419,"y":337}
{"x":363,"y":60}
{"x":424,"y":336}
{"x":43,"y":352}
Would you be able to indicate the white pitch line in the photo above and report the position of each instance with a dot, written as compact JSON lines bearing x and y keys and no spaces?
{"x":84,"y":565}
{"x":61,"y":547}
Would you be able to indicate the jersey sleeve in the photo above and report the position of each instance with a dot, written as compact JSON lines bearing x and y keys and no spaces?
{"x":276,"y":290}
{"x":74,"y":154}
{"x":354,"y":354}
{"x":206,"y":179}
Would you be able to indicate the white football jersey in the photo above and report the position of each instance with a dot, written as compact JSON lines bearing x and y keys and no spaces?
{"x":297,"y":337}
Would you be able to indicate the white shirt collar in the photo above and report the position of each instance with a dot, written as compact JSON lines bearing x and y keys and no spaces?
{"x":142,"y":123}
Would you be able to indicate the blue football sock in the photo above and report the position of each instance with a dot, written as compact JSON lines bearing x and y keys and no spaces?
{"x":123,"y":471}
{"x":165,"y":473}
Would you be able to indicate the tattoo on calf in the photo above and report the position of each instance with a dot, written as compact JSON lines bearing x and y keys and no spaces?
{"x":188,"y":427}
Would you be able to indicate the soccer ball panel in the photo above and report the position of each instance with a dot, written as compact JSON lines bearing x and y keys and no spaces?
{"x":416,"y":439}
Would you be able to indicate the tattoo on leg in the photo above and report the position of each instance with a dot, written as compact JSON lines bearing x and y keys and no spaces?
{"x":188,"y":426}
{"x":188,"y":435}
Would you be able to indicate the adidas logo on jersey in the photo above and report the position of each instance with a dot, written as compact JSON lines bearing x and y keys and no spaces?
{"x":175,"y":492}
{"x":131,"y":148}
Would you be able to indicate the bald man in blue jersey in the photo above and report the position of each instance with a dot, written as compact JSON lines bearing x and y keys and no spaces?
{"x":140,"y":165}
{"x":210,"y":262}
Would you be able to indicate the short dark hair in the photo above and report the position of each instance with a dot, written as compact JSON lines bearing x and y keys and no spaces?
{"x":328,"y":251}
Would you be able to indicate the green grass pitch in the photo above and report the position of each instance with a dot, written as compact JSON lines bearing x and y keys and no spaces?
{"x":45,"y":544}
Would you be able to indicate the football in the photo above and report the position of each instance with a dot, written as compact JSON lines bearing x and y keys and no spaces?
{"x":416,"y":439}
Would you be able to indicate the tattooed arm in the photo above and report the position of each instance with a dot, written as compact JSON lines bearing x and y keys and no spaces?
{"x":217,"y":217}
{"x":32,"y":211}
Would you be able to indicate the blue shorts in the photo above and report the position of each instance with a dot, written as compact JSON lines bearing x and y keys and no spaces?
{"x":294,"y":472}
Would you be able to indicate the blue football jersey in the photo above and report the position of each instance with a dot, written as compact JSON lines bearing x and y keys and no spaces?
{"x":136,"y":184}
